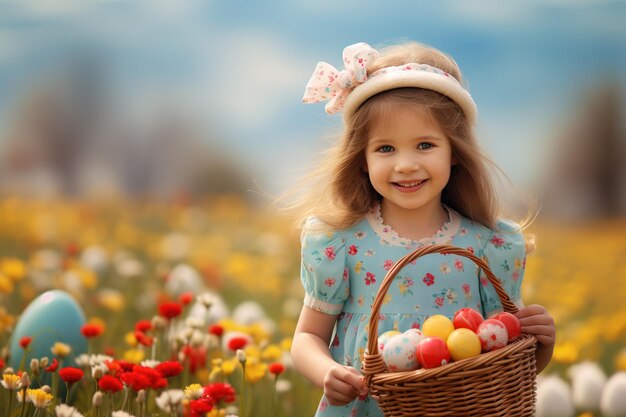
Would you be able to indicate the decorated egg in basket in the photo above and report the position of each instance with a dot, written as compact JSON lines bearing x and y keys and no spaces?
{"x":400,"y":353}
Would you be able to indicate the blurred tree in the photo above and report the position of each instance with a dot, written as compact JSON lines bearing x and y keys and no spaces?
{"x":65,"y":140}
{"x":586,"y":178}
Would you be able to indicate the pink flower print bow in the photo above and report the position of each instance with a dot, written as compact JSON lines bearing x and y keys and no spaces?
{"x":327,"y":83}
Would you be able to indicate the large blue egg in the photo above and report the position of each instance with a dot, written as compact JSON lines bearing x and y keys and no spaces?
{"x":54,"y":316}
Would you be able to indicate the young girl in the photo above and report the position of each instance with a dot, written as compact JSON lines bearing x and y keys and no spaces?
{"x":407,"y":172}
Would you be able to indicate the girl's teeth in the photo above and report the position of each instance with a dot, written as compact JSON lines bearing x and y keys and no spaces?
{"x":413,"y":184}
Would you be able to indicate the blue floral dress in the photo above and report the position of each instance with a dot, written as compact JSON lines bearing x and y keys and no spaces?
{"x":341,"y":272}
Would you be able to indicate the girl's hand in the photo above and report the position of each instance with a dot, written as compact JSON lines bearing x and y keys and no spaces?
{"x":536,"y":320}
{"x":342,"y":384}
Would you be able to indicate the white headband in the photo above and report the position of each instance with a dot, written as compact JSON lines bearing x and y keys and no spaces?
{"x":347,"y":89}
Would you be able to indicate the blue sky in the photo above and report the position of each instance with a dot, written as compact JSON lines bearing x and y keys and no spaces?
{"x":239,"y":67}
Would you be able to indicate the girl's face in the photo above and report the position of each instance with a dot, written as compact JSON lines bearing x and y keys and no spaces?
{"x":408,"y":160}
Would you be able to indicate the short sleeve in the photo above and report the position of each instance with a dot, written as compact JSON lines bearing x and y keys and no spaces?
{"x":323,"y":270}
{"x":505,"y":252}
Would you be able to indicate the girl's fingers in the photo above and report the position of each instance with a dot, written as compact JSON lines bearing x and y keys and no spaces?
{"x":538,"y":330}
{"x":531,"y":310}
{"x":355,"y":380}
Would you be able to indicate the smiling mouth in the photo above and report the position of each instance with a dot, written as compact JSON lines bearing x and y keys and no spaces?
{"x":409,"y":184}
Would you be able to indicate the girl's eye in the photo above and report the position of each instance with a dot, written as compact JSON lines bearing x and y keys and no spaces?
{"x":385,"y":148}
{"x":424,"y":145}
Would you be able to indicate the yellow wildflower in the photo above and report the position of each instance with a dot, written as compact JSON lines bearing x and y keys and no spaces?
{"x":61,"y":349}
{"x":229,"y":366}
{"x":6,"y":320}
{"x":88,"y":278}
{"x":11,"y":381}
{"x":566,"y":352}
{"x":285,"y":344}
{"x":271,"y":353}
{"x":6,"y":285}
{"x":217,"y":413}
{"x":252,"y":350}
{"x":134,"y":356}
{"x":194,"y":391}
{"x":255,"y":370}
{"x":130,"y":339}
{"x":39,"y":397}
{"x":111,"y":299}
{"x":13,"y":268}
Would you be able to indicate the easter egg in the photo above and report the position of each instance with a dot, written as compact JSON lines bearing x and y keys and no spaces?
{"x":463,"y":343}
{"x":492,"y":334}
{"x":467,"y":318}
{"x":400,"y":353}
{"x":513,"y":326}
{"x":438,"y":325}
{"x":383,"y":338}
{"x":52,"y":317}
{"x":432,"y":352}
{"x":415,"y":334}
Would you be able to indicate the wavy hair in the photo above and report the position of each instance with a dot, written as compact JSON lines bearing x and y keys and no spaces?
{"x":341,"y":192}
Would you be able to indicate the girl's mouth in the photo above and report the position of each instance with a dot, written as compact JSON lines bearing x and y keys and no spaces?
{"x":409,"y":186}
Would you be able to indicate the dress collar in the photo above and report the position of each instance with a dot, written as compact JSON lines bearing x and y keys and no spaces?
{"x":391,"y":237}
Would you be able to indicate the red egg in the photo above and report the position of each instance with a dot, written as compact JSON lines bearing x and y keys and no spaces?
{"x":467,"y":318}
{"x":432,"y":352}
{"x":513,"y":326}
{"x":492,"y":334}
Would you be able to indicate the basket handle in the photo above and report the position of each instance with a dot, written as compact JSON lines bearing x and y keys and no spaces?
{"x":372,"y":343}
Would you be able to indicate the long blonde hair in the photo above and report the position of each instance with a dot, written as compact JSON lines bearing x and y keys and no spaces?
{"x":342,"y":193}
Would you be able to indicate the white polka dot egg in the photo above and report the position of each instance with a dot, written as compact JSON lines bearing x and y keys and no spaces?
{"x":383,"y":338}
{"x":400,"y":352}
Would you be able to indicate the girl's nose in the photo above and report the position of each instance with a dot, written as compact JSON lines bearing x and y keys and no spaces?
{"x":406,"y":164}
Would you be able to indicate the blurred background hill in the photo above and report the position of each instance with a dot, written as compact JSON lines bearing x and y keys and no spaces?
{"x":164,"y":98}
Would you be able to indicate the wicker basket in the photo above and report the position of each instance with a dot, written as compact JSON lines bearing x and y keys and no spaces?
{"x":497,"y":383}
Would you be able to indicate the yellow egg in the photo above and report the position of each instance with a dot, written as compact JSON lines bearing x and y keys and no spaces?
{"x":463,"y":344}
{"x":438,"y":325}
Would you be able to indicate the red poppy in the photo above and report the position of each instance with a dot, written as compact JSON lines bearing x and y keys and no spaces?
{"x":143,"y":325}
{"x":126,"y":366}
{"x":109,"y":383}
{"x":276,"y":368}
{"x":220,"y":391}
{"x":237,"y":342}
{"x":53,"y":366}
{"x":25,"y":341}
{"x":143,"y":339}
{"x":153,"y":375}
{"x":169,"y":368}
{"x":1,"y":364}
{"x":136,"y":380}
{"x":159,"y":384}
{"x":170,"y":309}
{"x":201,"y":406}
{"x":216,"y":329}
{"x":196,"y":357}
{"x":90,"y":330}
{"x":71,"y":375}
{"x":186,"y":298}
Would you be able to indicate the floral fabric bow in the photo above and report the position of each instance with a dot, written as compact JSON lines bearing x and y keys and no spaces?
{"x":328,"y":83}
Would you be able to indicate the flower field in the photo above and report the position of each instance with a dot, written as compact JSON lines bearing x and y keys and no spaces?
{"x":189,"y":308}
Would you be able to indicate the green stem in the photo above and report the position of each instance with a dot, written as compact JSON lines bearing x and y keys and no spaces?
{"x":68,"y":387}
{"x":273,"y":395}
{"x":125,"y":398}
{"x":10,"y":401}
{"x":243,"y":390}
{"x":23,"y":401}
